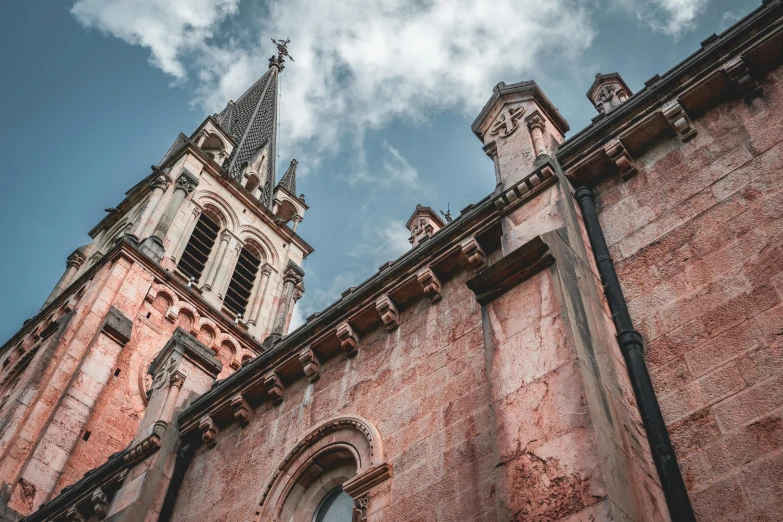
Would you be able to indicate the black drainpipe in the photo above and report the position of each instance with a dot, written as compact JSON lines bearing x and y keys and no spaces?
{"x":184,"y":457}
{"x":631,"y":345}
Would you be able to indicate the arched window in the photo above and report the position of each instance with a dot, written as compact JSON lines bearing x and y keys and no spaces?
{"x":243,"y":279}
{"x":194,"y":258}
{"x":252,"y":183}
{"x":213,"y":147}
{"x":337,"y":506}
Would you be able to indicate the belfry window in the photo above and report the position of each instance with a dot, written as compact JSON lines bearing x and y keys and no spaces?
{"x":199,"y":246}
{"x":241,"y":286}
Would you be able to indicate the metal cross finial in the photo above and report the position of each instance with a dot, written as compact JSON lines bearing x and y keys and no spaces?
{"x":282,"y":48}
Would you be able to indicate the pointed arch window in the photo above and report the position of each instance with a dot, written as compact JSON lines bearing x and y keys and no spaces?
{"x":202,"y":240}
{"x":241,"y":286}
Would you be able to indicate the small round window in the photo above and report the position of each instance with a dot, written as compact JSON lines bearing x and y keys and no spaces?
{"x":337,"y":506}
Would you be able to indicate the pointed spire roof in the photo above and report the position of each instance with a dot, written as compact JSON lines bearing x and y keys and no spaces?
{"x":251,"y":122}
{"x":288,"y":181}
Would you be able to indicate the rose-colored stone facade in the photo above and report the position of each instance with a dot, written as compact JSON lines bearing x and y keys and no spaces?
{"x":599,"y":339}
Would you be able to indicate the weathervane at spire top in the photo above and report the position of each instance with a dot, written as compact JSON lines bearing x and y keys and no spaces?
{"x":282,"y":48}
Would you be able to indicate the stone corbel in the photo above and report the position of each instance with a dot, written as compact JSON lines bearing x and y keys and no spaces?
{"x":360,"y":508}
{"x":621,"y":157}
{"x":388,"y":312}
{"x":475,"y":254}
{"x":310,"y":364}
{"x":679,"y":119}
{"x":148,"y":446}
{"x":349,"y":339}
{"x":430,"y":284}
{"x":274,"y":387}
{"x":243,"y":413}
{"x":739,"y":74}
{"x":100,"y":504}
{"x":209,"y":431}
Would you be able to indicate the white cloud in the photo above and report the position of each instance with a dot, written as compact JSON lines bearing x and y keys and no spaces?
{"x":359,"y":63}
{"x":398,"y":171}
{"x":729,"y":18}
{"x":671,"y":17}
{"x":170,"y":29}
{"x":382,"y":240}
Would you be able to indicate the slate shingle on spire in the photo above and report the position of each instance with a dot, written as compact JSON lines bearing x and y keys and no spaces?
{"x":251,"y":121}
{"x":288,"y":180}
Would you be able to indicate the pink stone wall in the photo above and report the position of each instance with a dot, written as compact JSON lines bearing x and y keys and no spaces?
{"x":696,"y":236}
{"x":423,"y":385}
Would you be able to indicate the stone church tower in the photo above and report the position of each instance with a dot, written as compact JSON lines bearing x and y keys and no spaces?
{"x":207,"y":243}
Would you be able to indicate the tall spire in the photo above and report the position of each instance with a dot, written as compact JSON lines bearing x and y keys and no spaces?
{"x":252,"y":122}
{"x":288,"y":181}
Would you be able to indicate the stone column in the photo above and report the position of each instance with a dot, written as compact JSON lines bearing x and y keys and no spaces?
{"x":159,"y":186}
{"x":260,"y":291}
{"x":297,"y":220}
{"x":227,"y":267}
{"x":209,"y":277}
{"x":186,"y":233}
{"x":153,"y":245}
{"x":292,"y":276}
{"x":72,"y":265}
{"x":536,"y":125}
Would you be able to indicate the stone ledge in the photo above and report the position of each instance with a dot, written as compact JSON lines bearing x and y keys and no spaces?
{"x":516,"y":267}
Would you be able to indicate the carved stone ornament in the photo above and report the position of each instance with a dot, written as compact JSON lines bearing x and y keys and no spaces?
{"x":475,"y":254}
{"x":176,"y":379}
{"x":76,"y":260}
{"x":100,"y":504}
{"x":360,"y":508}
{"x":679,"y":119}
{"x":388,"y":312}
{"x":310,"y":364}
{"x":739,"y":74}
{"x":160,"y":182}
{"x":430,"y":284}
{"x":620,"y":156}
{"x":349,"y":339}
{"x":185,"y":183}
{"x":225,"y":236}
{"x":148,"y":446}
{"x":209,"y":431}
{"x":507,"y":122}
{"x":243,"y":413}
{"x":274,"y":388}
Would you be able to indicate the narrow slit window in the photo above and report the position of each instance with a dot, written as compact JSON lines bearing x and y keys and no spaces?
{"x":241,"y":286}
{"x":199,"y":246}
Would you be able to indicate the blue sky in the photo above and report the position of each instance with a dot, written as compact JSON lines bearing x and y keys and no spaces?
{"x":377,"y":106}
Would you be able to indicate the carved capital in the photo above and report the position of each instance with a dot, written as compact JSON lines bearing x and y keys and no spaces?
{"x":243,"y":413}
{"x":298,"y":291}
{"x":209,"y":431}
{"x":274,"y":387}
{"x":100,"y":504}
{"x":266,"y":270}
{"x":739,"y":74}
{"x":196,"y":212}
{"x":76,"y":260}
{"x":225,"y":236}
{"x":310,"y":364}
{"x":475,"y":254}
{"x":430,"y":284}
{"x":620,"y":156}
{"x":176,"y":379}
{"x":535,"y":121}
{"x":160,"y":182}
{"x":507,"y":122}
{"x":388,"y":312}
{"x":360,"y":508}
{"x":293,"y":274}
{"x":349,"y":339}
{"x":186,"y":182}
{"x":96,"y":257}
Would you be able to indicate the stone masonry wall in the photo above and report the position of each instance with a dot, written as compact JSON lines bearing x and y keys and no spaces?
{"x":423,"y":385}
{"x":696,"y":236}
